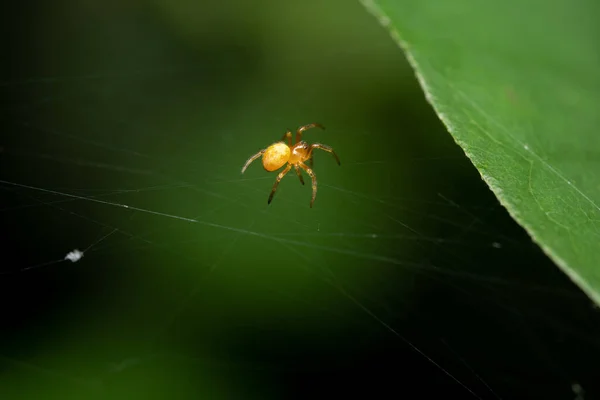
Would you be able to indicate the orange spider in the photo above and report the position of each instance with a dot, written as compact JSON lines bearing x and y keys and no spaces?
{"x":279,"y":153}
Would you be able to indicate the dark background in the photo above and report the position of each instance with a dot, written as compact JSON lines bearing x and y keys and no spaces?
{"x":407,"y":276}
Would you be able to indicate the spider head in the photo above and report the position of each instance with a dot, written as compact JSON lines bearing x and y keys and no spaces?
{"x":300,"y":152}
{"x":301,"y":147}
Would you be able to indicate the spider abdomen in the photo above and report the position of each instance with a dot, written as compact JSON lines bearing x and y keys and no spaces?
{"x":276,"y":156}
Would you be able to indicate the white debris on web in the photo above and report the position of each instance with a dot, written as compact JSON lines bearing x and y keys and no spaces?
{"x":74,"y":255}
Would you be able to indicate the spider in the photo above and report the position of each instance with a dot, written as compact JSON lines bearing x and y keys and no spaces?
{"x":279,"y":153}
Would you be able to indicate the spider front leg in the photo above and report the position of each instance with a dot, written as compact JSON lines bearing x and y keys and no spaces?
{"x":326,"y":148}
{"x":305,"y":127}
{"x":254,"y":157}
{"x":314,"y":182}
{"x":299,"y":174}
{"x":279,"y":178}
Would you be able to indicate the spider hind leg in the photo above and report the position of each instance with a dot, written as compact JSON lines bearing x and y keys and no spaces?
{"x":279,"y":178}
{"x":252,"y":158}
{"x":287,"y":137}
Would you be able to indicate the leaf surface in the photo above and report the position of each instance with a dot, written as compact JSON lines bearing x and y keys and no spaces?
{"x":517,"y":84}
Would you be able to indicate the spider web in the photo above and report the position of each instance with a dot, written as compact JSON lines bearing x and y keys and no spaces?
{"x":139,"y":261}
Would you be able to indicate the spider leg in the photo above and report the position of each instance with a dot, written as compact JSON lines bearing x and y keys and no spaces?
{"x":314,"y":182}
{"x":279,"y":177}
{"x":287,"y":136}
{"x":254,"y":157}
{"x":299,"y":174}
{"x":326,"y":148}
{"x":305,"y":127}
{"x":310,"y":161}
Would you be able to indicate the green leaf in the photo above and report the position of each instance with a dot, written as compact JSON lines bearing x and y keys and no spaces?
{"x":517,"y":84}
